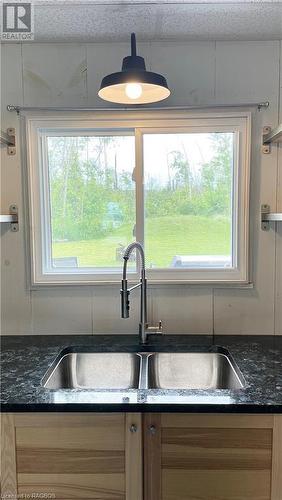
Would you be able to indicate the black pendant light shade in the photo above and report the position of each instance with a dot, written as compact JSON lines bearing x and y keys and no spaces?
{"x":133,"y":84}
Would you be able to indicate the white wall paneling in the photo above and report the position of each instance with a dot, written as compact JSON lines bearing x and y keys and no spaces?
{"x":198,"y":72}
{"x":183,"y":309}
{"x":15,"y":296}
{"x":62,"y":310}
{"x":190,"y":71}
{"x":247,"y":71}
{"x":54,"y":74}
{"x":240,"y":76}
{"x":278,"y":290}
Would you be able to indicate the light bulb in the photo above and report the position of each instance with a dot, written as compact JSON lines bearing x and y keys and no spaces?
{"x":133,"y":90}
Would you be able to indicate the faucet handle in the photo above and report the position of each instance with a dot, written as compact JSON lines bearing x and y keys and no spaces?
{"x":155,"y":329}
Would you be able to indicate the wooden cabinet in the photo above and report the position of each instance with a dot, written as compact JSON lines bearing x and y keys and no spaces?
{"x":212,"y":457}
{"x":72,"y":456}
{"x":110,"y":456}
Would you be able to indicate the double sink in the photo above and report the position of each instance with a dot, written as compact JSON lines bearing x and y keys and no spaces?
{"x":144,"y":370}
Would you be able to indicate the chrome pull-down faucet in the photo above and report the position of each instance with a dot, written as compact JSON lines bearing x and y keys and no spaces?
{"x":144,"y":329}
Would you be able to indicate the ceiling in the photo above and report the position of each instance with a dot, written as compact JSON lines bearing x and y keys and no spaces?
{"x":113,"y":20}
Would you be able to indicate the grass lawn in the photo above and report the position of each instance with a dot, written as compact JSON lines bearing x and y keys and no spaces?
{"x":165,"y":237}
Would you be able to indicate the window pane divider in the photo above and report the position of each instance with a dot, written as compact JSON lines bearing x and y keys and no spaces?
{"x":139,"y":190}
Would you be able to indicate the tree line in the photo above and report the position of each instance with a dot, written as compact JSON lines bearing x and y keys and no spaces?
{"x":90,"y":198}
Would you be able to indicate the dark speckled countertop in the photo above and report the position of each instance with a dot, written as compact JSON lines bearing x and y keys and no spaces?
{"x":25,"y":359}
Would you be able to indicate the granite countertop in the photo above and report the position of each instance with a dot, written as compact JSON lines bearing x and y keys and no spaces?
{"x":25,"y":360}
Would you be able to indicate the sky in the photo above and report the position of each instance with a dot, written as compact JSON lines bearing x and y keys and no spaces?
{"x":157,"y":147}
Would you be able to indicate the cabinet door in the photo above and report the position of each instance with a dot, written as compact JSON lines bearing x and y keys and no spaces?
{"x":73,"y":456}
{"x":208,"y":457}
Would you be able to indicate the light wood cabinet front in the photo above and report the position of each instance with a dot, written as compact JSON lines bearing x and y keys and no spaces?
{"x":210,"y":457}
{"x":117,"y":456}
{"x":73,"y":456}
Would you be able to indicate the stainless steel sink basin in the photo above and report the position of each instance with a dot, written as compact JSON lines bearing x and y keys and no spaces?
{"x":146,"y":370}
{"x":193,"y":370}
{"x":94,"y":371}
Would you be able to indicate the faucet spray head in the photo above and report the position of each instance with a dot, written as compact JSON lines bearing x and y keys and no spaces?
{"x":124,"y":294}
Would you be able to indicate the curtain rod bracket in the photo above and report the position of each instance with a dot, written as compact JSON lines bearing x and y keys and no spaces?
{"x":263,"y":105}
{"x":12,"y":107}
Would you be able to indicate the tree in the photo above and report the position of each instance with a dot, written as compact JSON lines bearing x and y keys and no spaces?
{"x":180,"y":166}
{"x":217,"y":174}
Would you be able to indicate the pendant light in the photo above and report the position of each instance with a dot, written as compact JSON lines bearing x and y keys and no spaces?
{"x":133,"y":84}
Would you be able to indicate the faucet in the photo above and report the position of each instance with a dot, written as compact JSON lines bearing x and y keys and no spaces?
{"x":144,"y":328}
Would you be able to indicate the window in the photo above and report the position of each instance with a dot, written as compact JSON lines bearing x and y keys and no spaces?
{"x":177,"y":182}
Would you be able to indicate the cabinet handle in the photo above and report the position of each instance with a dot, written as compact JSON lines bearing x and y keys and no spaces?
{"x":152,"y":430}
{"x":133,"y":428}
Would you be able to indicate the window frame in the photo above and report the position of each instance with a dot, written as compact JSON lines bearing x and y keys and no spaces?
{"x":139,"y":122}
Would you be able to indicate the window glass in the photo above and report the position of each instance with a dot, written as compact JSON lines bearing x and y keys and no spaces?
{"x":188,"y":200}
{"x":92,"y":199}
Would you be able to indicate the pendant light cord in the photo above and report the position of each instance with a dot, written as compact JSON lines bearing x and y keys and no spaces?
{"x":133,"y":45}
